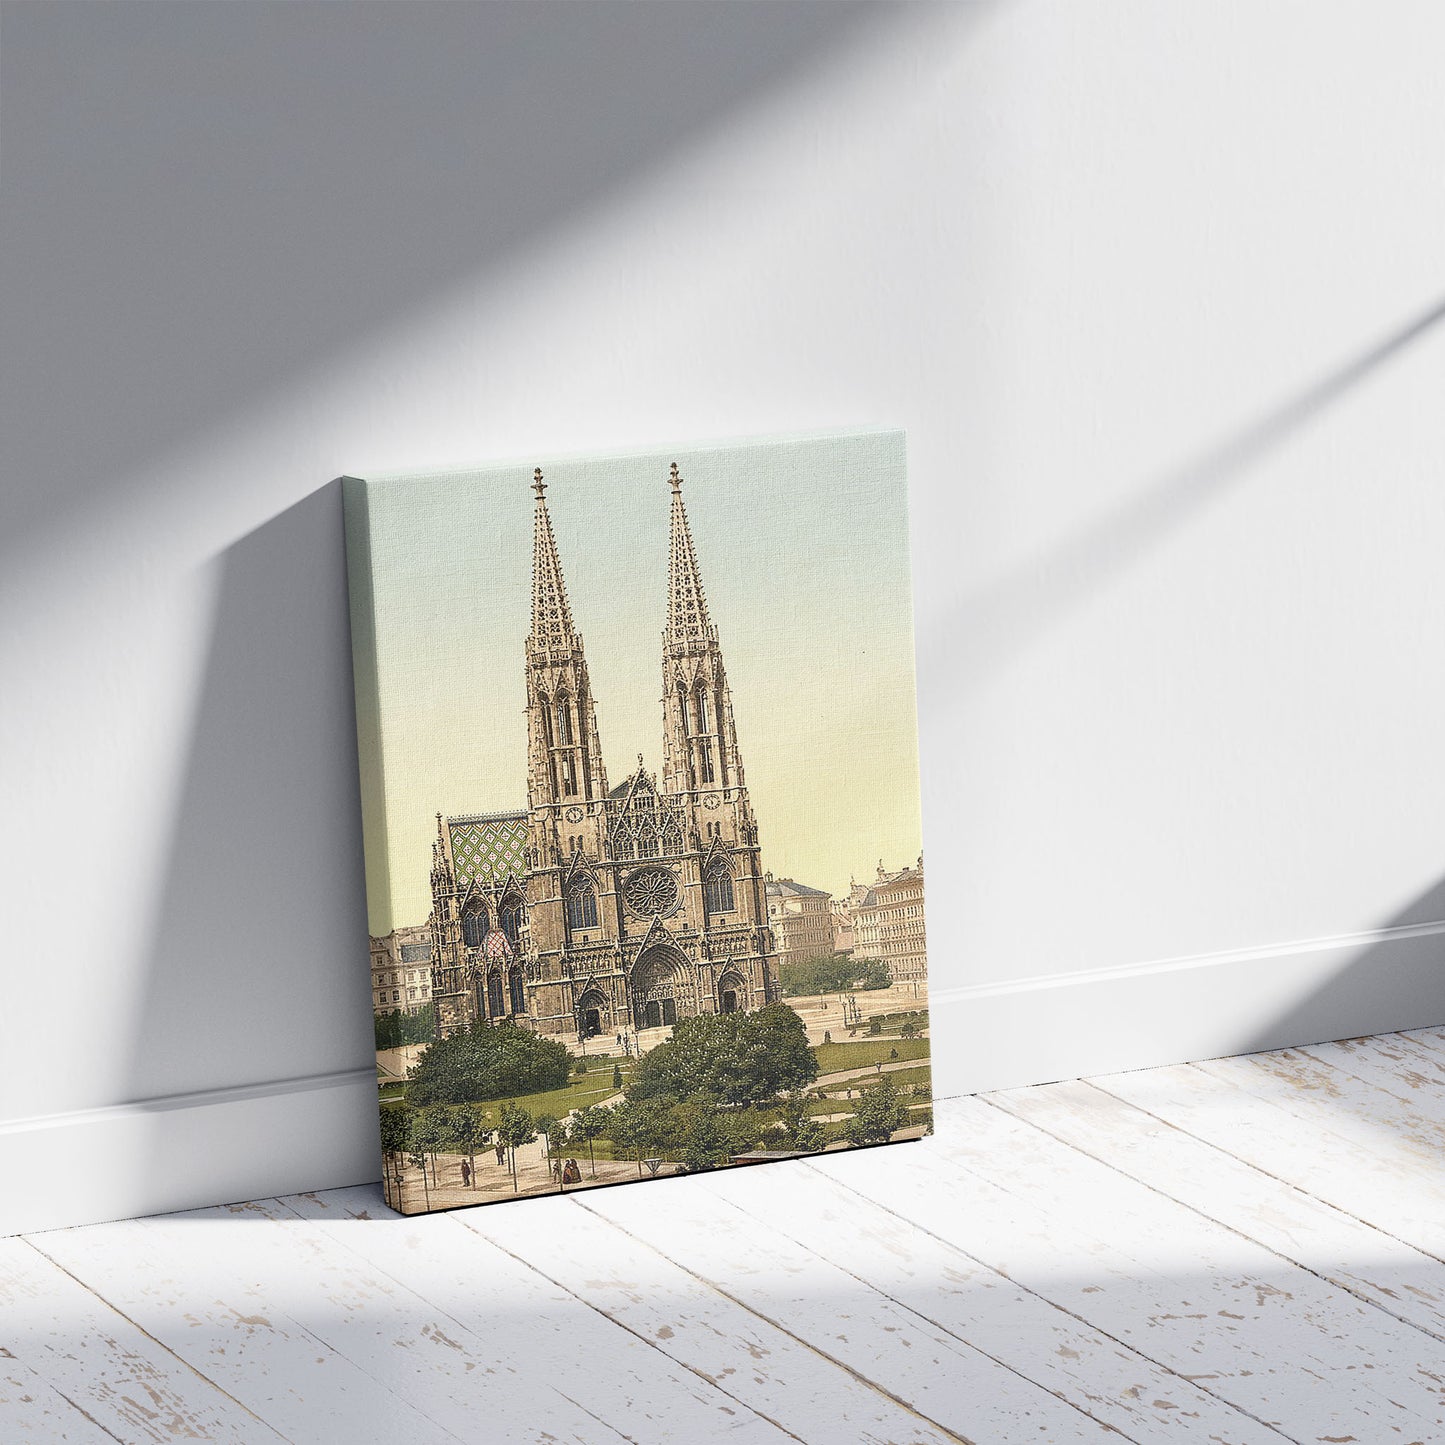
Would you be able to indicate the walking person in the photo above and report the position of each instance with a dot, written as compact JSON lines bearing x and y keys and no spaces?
{"x":466,"y":1175}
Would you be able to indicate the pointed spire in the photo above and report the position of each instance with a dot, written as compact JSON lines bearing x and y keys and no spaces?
{"x":687,"y":619}
{"x":551,"y":615}
{"x":441,"y":873}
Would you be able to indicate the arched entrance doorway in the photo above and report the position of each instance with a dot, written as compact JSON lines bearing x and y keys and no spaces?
{"x":659,"y":988}
{"x":731,"y":991}
{"x":592,"y":1013}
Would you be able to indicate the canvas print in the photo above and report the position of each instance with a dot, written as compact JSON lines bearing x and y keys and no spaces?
{"x":640,"y":797}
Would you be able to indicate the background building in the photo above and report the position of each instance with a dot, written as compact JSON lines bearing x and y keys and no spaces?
{"x":801,"y":919}
{"x":888,"y":922}
{"x":401,"y":970}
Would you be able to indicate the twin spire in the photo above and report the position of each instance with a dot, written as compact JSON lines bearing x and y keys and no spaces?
{"x":551,"y":614}
{"x":687,"y":619}
{"x":687,"y":615}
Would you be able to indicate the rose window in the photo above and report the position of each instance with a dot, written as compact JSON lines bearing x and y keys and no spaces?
{"x":652,"y":892}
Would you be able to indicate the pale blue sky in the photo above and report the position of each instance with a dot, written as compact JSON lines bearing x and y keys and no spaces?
{"x":803,"y":546}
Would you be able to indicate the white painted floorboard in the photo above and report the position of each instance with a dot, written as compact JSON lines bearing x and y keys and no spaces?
{"x":1245,"y":1251}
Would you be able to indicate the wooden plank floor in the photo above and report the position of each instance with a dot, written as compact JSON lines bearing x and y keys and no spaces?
{"x":1246,"y":1251}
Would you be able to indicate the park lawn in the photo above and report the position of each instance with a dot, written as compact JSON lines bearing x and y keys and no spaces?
{"x":590,"y":1088}
{"x":833,"y":1057}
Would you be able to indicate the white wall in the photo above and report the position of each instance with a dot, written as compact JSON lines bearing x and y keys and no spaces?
{"x":1152,"y":286}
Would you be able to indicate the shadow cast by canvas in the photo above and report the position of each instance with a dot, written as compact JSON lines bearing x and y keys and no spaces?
{"x":260,"y":932}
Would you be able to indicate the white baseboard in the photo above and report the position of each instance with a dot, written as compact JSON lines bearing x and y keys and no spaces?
{"x":320,"y":1133}
{"x":1170,"y":1011}
{"x":188,"y":1151}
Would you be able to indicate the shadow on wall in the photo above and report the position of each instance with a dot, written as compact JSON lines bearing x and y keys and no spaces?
{"x":259,"y":947}
{"x":1379,"y":989}
{"x":1002,"y":619}
{"x":203,"y":201}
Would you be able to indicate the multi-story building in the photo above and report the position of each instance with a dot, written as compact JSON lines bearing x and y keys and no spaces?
{"x":401,"y":970}
{"x":801,"y":919}
{"x":888,"y":922}
{"x":595,"y":910}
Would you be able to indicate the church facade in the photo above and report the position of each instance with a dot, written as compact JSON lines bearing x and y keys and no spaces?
{"x":597,"y":909}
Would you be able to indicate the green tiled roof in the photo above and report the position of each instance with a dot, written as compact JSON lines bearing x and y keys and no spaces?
{"x":488,"y":846}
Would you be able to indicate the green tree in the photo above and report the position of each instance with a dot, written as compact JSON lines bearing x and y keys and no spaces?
{"x":708,"y":1137}
{"x":739,"y":1058}
{"x":515,"y":1128}
{"x":416,"y":1154}
{"x":398,"y":1027}
{"x":909,"y":1030}
{"x":431,"y":1132}
{"x":871,"y":973}
{"x":587,"y":1125}
{"x":643,"y":1128}
{"x":488,"y":1061}
{"x":824,"y":973}
{"x":878,"y":1114}
{"x":469,"y":1133}
{"x":393,"y":1138}
{"x":803,"y":1132}
{"x":832,"y":973}
{"x":617,"y":1076}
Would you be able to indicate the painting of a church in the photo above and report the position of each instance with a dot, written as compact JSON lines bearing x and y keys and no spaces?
{"x":600,"y":908}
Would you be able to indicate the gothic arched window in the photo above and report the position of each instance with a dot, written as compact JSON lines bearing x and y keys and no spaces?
{"x":704,"y":758}
{"x":699,"y":707}
{"x":564,"y":720}
{"x":516,"y":996}
{"x":494,"y":995}
{"x":510,"y":917}
{"x":581,"y":905}
{"x":474,"y":924}
{"x":718,"y":889}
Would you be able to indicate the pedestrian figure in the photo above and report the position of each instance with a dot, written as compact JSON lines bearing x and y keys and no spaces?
{"x":501,"y":1153}
{"x":572,"y":1174}
{"x":619,"y":1041}
{"x":466,"y":1175}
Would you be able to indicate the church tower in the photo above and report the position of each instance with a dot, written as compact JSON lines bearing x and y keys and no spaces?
{"x":723,"y":920}
{"x":564,"y":753}
{"x":597,"y":912}
{"x":700,"y":745}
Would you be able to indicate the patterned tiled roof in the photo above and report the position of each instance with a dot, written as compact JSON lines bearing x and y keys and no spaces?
{"x":488,"y":846}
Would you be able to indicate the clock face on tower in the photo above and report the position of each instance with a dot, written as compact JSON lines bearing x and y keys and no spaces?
{"x":710,"y":801}
{"x":574,"y":814}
